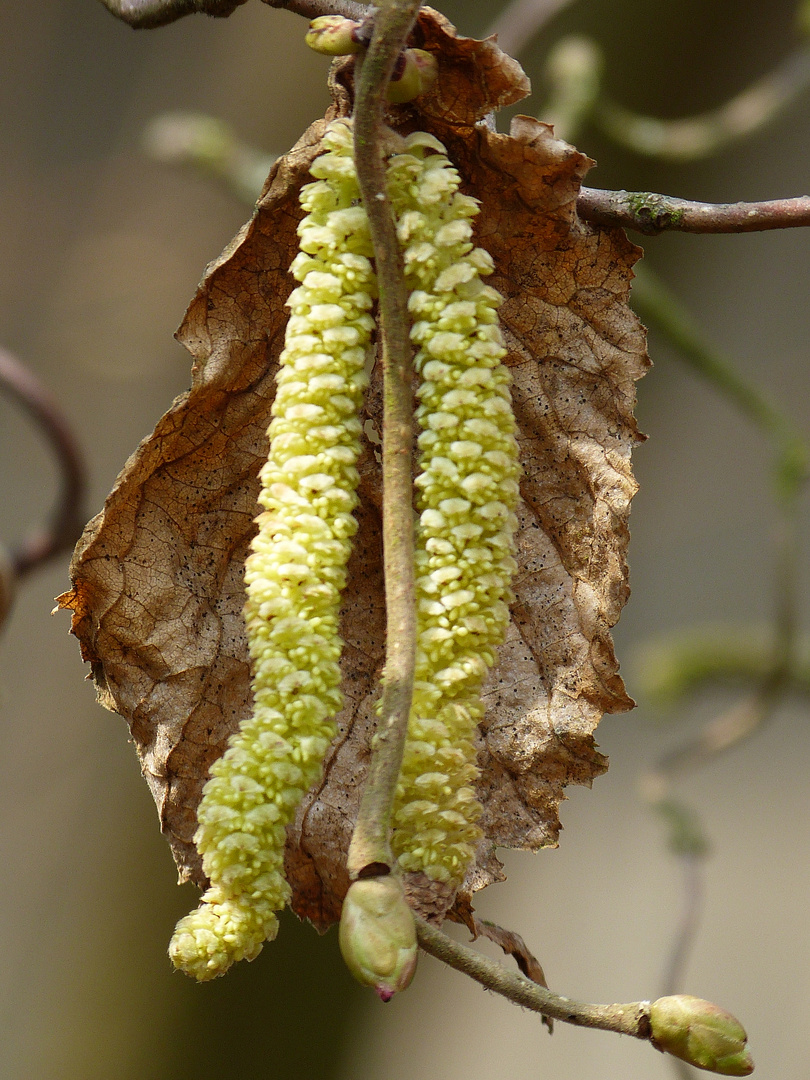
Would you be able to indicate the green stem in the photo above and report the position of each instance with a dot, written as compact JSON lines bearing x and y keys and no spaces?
{"x":661,"y":309}
{"x":370,"y":849}
{"x":630,"y":1019}
{"x":700,"y":136}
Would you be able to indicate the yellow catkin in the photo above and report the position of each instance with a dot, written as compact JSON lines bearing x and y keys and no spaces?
{"x":467,"y":493}
{"x":294,"y":576}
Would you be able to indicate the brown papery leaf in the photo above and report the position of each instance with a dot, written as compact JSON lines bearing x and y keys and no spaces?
{"x":157,"y":577}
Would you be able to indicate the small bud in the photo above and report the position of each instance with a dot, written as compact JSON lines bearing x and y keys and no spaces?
{"x":415,"y":72}
{"x":378,"y":935}
{"x":333,"y":35}
{"x":700,"y":1033}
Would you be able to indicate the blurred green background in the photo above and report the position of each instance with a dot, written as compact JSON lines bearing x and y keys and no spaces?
{"x":101,"y":251}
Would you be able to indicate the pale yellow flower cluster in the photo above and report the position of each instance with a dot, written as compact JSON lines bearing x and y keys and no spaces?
{"x":294,"y":577}
{"x":468,"y":491}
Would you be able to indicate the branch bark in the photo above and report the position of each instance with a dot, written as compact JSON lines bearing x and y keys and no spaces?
{"x":630,"y":1019}
{"x":69,"y":514}
{"x":148,"y":14}
{"x":648,"y":213}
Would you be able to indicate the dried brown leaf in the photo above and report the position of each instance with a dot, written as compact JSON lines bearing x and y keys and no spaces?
{"x":157,"y":577}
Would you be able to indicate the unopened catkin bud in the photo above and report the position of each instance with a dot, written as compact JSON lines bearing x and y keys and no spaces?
{"x":414,"y":74}
{"x":333,"y":35}
{"x":700,"y":1033}
{"x":378,"y":935}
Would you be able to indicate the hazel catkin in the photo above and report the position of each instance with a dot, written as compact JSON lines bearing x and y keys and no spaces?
{"x":294,"y":576}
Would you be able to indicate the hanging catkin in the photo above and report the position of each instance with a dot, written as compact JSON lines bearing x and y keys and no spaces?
{"x":294,"y":576}
{"x":467,"y":493}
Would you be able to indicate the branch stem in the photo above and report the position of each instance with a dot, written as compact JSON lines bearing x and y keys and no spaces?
{"x":149,"y":14}
{"x":649,"y":213}
{"x":629,"y":1019}
{"x":68,"y":516}
{"x":370,"y":849}
{"x":658,"y":306}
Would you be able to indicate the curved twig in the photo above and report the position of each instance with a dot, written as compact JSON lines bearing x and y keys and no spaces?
{"x":648,"y":213}
{"x":370,"y":850}
{"x":629,"y":1019}
{"x":148,"y":14}
{"x":518,"y":23}
{"x":67,"y":519}
{"x":696,"y":137}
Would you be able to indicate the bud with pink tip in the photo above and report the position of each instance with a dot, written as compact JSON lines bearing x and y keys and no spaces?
{"x":378,"y":935}
{"x":700,"y":1033}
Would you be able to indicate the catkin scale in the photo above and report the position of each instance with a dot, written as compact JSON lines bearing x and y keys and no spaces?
{"x":293,"y":576}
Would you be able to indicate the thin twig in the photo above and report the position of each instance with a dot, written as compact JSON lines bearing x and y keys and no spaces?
{"x":692,"y":869}
{"x":68,"y":517}
{"x":672,"y":668}
{"x":148,"y":14}
{"x":630,"y":1019}
{"x":648,"y":213}
{"x":311,"y":9}
{"x":657,"y":305}
{"x":519,"y":21}
{"x":370,"y":850}
{"x":661,"y":309}
{"x":512,"y":945}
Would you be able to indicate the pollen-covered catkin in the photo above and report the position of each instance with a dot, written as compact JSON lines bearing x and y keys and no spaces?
{"x":294,"y":577}
{"x":467,"y":493}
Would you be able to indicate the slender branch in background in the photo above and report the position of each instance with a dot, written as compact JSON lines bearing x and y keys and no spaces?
{"x":573,"y":77}
{"x":648,"y":213}
{"x":521,"y":20}
{"x":630,"y":1019}
{"x":370,"y":845}
{"x":777,"y":671}
{"x":68,"y":517}
{"x":671,"y":668}
{"x":700,"y":136}
{"x":693,"y":883}
{"x":661,"y":310}
{"x":211,"y":147}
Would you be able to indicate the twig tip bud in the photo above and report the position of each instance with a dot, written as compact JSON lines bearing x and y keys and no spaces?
{"x":378,"y":935}
{"x":700,"y":1033}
